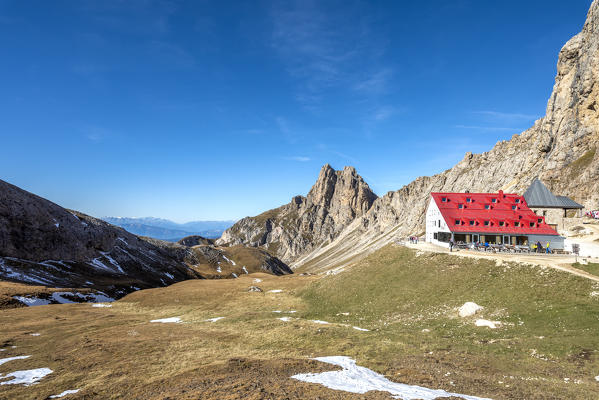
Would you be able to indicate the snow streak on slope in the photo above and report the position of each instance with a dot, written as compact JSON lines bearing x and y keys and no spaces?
{"x":355,"y":379}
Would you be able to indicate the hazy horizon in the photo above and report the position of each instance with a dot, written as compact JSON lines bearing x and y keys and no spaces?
{"x":216,"y":111}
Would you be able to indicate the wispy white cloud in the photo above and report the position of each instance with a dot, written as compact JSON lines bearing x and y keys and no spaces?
{"x":289,"y":134}
{"x":323,"y":50}
{"x":506,"y":116}
{"x":375,"y":83}
{"x":384,"y":112}
{"x":489,"y":128}
{"x":343,"y":155}
{"x":297,"y":158}
{"x":95,"y":134}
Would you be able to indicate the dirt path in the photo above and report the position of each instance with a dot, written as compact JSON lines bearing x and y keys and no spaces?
{"x":559,"y":262}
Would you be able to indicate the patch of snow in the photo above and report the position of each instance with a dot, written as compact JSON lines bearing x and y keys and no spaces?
{"x":8,"y":272}
{"x":26,"y":377}
{"x":245,"y":271}
{"x":218,"y":269}
{"x":355,"y":379}
{"x":335,"y":271}
{"x":5,"y":360}
{"x":257,"y":280}
{"x":285,"y":319}
{"x":487,"y":323}
{"x":275,"y":291}
{"x":112,"y":261}
{"x":123,"y":240}
{"x":65,"y":393}
{"x":278,"y":311}
{"x":170,"y":276}
{"x":35,"y":334}
{"x":213,"y":319}
{"x":60,"y":297}
{"x":100,"y":265}
{"x":317,"y":321}
{"x":32,"y":301}
{"x":171,"y":320}
{"x":57,"y":224}
{"x":100,"y":305}
{"x":234,"y":275}
{"x":469,"y":309}
{"x":228,"y":260}
{"x":594,"y":294}
{"x":89,"y":283}
{"x":597,"y":378}
{"x":361,"y":329}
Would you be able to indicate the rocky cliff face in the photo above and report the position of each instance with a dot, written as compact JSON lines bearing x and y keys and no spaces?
{"x":335,"y":200}
{"x":560,"y":149}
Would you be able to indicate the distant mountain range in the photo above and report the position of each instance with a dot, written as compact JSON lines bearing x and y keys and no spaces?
{"x":165,"y":229}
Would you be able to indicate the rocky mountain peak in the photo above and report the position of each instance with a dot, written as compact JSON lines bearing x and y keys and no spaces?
{"x":336,"y":199}
{"x":344,"y":191}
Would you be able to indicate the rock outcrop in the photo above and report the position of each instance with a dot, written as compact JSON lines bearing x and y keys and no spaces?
{"x":560,"y":149}
{"x":195,"y":240}
{"x":336,"y":199}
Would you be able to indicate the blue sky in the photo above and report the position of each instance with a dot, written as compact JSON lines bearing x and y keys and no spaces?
{"x":222,"y":109}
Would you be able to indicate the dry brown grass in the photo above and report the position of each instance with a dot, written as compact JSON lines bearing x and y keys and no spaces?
{"x":116,"y":352}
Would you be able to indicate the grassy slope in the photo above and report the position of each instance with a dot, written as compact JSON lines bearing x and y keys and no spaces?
{"x":115,"y":352}
{"x":546,"y":315}
{"x":591,"y":268}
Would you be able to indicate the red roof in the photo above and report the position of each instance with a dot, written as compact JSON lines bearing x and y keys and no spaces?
{"x":500,"y":213}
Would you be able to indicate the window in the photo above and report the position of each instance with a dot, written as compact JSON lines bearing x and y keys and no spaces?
{"x":493,"y":200}
{"x":501,"y":223}
{"x":487,"y":206}
{"x":514,"y":207}
{"x":540,"y":220}
{"x":487,"y":223}
{"x":532,"y":224}
{"x":544,"y":213}
{"x":444,"y":199}
{"x":458,"y":222}
{"x":516,"y":223}
{"x":471,"y":222}
{"x":468,"y":200}
{"x":460,"y":206}
{"x":517,"y":201}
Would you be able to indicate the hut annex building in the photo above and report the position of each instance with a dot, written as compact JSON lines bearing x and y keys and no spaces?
{"x":497,"y":218}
